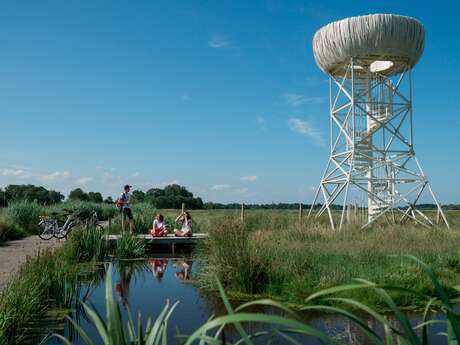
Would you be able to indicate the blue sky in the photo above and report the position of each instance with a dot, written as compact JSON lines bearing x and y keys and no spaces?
{"x":223,"y":97}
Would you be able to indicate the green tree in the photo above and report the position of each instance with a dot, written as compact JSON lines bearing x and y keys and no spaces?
{"x":138,"y":196}
{"x":78,"y":194}
{"x":95,"y":197}
{"x":29,"y":192}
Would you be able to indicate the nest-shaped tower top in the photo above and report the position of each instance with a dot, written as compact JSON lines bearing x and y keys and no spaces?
{"x":388,"y":43}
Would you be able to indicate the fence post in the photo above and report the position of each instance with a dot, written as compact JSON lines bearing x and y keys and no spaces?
{"x":242,"y":213}
{"x":300,"y":213}
{"x":110,"y":222}
{"x":183,"y":207}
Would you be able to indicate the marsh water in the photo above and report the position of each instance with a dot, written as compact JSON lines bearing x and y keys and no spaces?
{"x":145,"y":286}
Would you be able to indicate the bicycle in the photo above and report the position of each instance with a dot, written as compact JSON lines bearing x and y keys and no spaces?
{"x":52,"y":228}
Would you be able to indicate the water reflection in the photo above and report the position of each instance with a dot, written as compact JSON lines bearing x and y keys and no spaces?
{"x":145,"y":285}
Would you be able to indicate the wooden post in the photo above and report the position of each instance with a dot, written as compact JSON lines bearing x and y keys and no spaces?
{"x":122,"y":220}
{"x":242,"y":212}
{"x":300,"y":213}
{"x":110,"y":222}
{"x":183,"y":207}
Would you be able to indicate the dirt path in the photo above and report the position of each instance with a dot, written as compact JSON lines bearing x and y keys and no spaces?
{"x":14,"y":253}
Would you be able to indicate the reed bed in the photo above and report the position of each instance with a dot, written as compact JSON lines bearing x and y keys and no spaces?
{"x":274,"y":255}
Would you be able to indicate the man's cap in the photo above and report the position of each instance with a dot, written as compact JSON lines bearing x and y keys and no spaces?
{"x":127,"y":186}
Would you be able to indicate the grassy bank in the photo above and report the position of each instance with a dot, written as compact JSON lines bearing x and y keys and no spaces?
{"x":52,"y":279}
{"x":272,"y":255}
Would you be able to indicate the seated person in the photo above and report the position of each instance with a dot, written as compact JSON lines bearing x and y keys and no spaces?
{"x":159,"y":226}
{"x":186,"y":225}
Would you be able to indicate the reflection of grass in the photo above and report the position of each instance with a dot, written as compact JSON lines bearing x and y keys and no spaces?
{"x":272,"y":255}
{"x":283,"y":324}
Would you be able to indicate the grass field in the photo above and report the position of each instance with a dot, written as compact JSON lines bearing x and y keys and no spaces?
{"x":274,"y":255}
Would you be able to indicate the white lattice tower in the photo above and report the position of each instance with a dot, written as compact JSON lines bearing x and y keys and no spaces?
{"x":372,"y":164}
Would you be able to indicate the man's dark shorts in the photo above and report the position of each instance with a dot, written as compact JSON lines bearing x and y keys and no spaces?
{"x":127,"y":213}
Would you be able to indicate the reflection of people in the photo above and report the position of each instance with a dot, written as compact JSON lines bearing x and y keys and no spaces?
{"x":122,"y":285}
{"x":159,"y":226}
{"x":158,"y":268}
{"x":185,"y":271}
{"x":124,"y":204}
{"x":186,"y":225}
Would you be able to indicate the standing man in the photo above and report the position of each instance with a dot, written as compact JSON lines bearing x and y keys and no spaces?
{"x":124,"y":204}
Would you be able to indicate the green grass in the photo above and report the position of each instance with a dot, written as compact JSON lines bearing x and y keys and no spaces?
{"x":43,"y":282}
{"x":272,"y":255}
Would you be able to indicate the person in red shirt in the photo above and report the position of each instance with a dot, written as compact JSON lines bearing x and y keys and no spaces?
{"x":159,"y":226}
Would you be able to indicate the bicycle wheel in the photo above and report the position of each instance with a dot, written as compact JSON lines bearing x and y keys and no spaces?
{"x":46,"y":234}
{"x":63,"y":233}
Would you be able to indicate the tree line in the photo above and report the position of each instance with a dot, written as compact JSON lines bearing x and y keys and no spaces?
{"x":172,"y":196}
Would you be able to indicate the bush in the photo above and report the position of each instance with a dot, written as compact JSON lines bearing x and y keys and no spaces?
{"x":9,"y":230}
{"x":25,"y":214}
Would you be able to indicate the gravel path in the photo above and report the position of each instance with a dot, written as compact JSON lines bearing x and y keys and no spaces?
{"x":14,"y":253}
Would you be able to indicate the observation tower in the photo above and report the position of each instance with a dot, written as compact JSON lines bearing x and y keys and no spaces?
{"x":372,"y":171}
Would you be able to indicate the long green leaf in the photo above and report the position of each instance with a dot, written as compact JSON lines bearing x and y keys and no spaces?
{"x":403,"y":321}
{"x":298,"y":326}
{"x":98,"y":323}
{"x":265,"y":303}
{"x":229,"y":308}
{"x":455,"y":320}
{"x":356,"y":320}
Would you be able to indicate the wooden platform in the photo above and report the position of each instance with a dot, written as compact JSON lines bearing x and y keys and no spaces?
{"x":170,"y":239}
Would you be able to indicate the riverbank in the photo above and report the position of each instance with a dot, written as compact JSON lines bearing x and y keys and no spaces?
{"x":13,"y":254}
{"x":274,"y":256}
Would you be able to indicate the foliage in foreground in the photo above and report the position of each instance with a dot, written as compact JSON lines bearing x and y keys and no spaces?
{"x":278,"y":257}
{"x":43,"y":282}
{"x":286,"y":325}
{"x":51,"y":280}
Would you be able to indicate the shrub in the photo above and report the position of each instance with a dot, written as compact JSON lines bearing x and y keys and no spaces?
{"x":26,"y":215}
{"x":9,"y":230}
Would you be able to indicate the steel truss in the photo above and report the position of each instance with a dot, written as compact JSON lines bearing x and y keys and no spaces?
{"x":372,"y":165}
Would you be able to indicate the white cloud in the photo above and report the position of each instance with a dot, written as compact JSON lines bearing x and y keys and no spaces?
{"x":136,"y":174}
{"x":221,"y":187}
{"x":15,"y":173}
{"x":296,"y":100}
{"x":306,"y":129}
{"x":219,"y":42}
{"x":55,"y":176}
{"x":241,"y":190}
{"x":250,"y":178}
{"x":186,"y":98}
{"x":84,"y":180}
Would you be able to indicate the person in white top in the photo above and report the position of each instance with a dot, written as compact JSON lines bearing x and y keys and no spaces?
{"x":186,"y":225}
{"x":159,"y":226}
{"x":124,"y":204}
